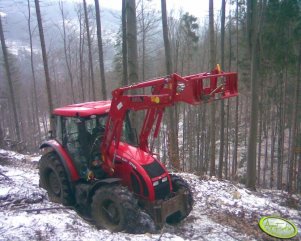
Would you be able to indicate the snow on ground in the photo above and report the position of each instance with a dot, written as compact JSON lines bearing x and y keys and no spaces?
{"x":222,"y":210}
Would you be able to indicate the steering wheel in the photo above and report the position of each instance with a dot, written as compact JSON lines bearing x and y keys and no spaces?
{"x":95,"y":148}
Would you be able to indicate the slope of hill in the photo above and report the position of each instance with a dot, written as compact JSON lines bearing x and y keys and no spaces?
{"x":222,"y":210}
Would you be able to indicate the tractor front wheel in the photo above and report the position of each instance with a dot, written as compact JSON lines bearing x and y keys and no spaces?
{"x":115,"y":208}
{"x":53,"y":178}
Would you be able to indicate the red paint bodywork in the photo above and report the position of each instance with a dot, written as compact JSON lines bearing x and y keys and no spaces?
{"x":128,"y":158}
{"x":84,"y":109}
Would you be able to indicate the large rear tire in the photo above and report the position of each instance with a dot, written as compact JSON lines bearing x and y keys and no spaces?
{"x":53,"y":178}
{"x":179,"y":183}
{"x":115,"y":208}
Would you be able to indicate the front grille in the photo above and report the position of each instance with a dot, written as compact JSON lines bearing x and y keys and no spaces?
{"x":162,"y":190}
{"x":153,"y":169}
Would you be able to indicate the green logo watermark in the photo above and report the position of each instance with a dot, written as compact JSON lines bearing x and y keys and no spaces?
{"x":278,"y":227}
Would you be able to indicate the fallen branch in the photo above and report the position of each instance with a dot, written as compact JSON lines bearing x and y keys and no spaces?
{"x":161,"y":234}
{"x":6,"y":177}
{"x":38,"y":210}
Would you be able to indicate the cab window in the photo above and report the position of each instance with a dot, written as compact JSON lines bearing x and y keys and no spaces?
{"x":58,"y":129}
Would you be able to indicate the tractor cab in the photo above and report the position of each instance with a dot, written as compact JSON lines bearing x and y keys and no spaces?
{"x":81,"y":137}
{"x":80,"y":129}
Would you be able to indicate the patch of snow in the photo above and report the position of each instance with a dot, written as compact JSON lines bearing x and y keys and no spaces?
{"x":222,"y":210}
{"x":2,"y":14}
{"x":4,"y":191}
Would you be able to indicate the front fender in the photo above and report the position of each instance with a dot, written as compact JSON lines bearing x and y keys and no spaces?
{"x":64,"y":158}
{"x":100,"y":183}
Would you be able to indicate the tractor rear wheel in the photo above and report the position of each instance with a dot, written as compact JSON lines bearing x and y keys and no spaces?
{"x":179,"y":183}
{"x":115,"y":208}
{"x":53,"y":178}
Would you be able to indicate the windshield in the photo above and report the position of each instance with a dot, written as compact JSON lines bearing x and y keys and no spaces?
{"x":69,"y":128}
{"x":96,"y":126}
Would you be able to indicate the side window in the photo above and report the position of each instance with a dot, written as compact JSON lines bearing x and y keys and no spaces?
{"x":71,"y":128}
{"x":90,"y":124}
{"x":58,"y":129}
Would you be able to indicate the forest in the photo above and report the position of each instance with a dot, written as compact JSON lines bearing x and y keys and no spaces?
{"x":254,"y":138}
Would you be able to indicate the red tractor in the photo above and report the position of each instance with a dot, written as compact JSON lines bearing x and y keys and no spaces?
{"x":96,"y":162}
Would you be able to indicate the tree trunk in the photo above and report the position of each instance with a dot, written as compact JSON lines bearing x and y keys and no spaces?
{"x":45,"y":63}
{"x":1,"y":137}
{"x":199,"y":157}
{"x":251,"y":159}
{"x":143,"y":41}
{"x":212,"y":104}
{"x":80,"y":50}
{"x":10,"y":83}
{"x":295,"y":113}
{"x":184,"y":135}
{"x":236,"y":102}
{"x":266,"y":135}
{"x":132,"y":41}
{"x":273,"y":138}
{"x":227,"y":153}
{"x":235,"y":138}
{"x":132,"y":61}
{"x":35,"y":95}
{"x":203,"y":140}
{"x":100,"y":51}
{"x":89,"y":50}
{"x":125,"y":80}
{"x":168,"y":59}
{"x":280,"y":140}
{"x":246,"y":116}
{"x":222,"y":112}
{"x":68,"y":64}
{"x":173,"y":138}
{"x":259,"y":148}
{"x":299,"y":164}
{"x":253,"y":32}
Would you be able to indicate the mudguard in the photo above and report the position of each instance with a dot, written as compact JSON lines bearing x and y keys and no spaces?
{"x":64,"y":158}
{"x":100,"y":183}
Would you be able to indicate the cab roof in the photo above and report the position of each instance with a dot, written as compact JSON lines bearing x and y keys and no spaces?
{"x":84,"y":109}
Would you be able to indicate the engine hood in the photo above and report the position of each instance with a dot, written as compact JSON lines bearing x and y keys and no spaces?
{"x":133,"y":154}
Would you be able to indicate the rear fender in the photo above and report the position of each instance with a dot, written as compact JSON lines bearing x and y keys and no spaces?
{"x":65,"y":159}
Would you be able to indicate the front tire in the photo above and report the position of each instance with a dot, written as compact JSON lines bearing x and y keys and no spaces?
{"x":115,"y":208}
{"x":179,"y":183}
{"x":53,"y":178}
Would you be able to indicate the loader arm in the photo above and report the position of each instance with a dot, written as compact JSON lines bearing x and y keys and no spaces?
{"x":193,"y":89}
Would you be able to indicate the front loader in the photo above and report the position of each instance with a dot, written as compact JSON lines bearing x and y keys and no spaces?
{"x":97,"y":162}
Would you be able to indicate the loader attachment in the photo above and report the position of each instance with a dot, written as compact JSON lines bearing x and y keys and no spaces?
{"x":165,"y":91}
{"x":205,"y":87}
{"x":162,"y":209}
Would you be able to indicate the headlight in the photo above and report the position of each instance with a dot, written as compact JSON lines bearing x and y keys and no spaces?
{"x":156,"y":183}
{"x":164,"y":179}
